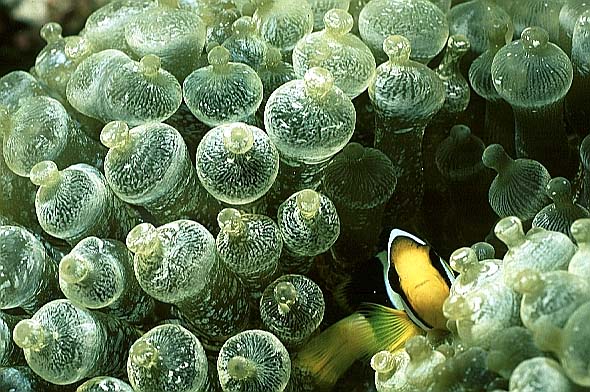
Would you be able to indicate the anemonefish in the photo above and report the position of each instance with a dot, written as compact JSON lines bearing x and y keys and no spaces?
{"x":417,"y":282}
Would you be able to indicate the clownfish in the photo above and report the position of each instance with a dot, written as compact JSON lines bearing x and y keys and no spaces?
{"x":417,"y":282}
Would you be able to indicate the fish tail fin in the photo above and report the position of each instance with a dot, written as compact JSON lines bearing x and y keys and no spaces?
{"x":328,"y":356}
{"x":391,"y":327}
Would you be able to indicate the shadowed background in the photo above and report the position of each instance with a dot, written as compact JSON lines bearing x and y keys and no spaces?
{"x":20,"y":21}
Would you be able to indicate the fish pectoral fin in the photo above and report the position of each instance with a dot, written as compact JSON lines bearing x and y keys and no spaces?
{"x":391,"y":327}
{"x":327,"y":356}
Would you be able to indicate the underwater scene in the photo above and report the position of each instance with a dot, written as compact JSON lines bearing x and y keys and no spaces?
{"x":298,"y":196}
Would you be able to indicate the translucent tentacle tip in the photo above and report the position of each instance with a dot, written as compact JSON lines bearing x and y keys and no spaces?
{"x":534,"y":38}
{"x":548,"y":336}
{"x":354,"y":151}
{"x":484,"y":250}
{"x":418,"y":347}
{"x":143,"y":239}
{"x":495,"y":157}
{"x":457,"y":308}
{"x":462,"y":259}
{"x":73,"y":269}
{"x":78,"y":48}
{"x":528,"y":281}
{"x":44,"y":173}
{"x":446,"y":349}
{"x":143,"y":353}
{"x":51,"y":32}
{"x":338,"y":21}
{"x":383,"y":362}
{"x":227,"y":16}
{"x":559,"y":190}
{"x":169,"y":3}
{"x":458,"y":44}
{"x":210,"y":17}
{"x":308,"y":203}
{"x":397,"y":48}
{"x":509,"y":230}
{"x":210,"y":46}
{"x":150,"y":65}
{"x":286,"y":296}
{"x":583,"y":20}
{"x":230,"y":221}
{"x":241,"y":368}
{"x":238,"y":138}
{"x":249,"y":8}
{"x":499,"y":32}
{"x":115,"y":134}
{"x":218,"y":56}
{"x":244,"y":25}
{"x":29,"y":334}
{"x":273,"y":57}
{"x":581,"y":230}
{"x":318,"y":81}
{"x":262,"y":3}
{"x":460,"y":132}
{"x":4,"y":120}
{"x":323,"y":51}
